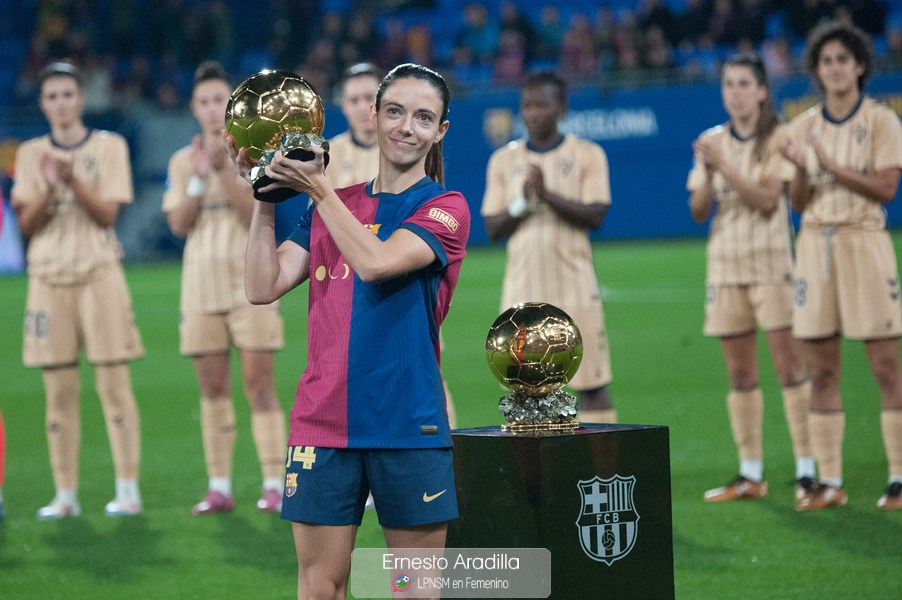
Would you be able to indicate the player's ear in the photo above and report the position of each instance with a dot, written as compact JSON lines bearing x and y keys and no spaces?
{"x":442,"y":130}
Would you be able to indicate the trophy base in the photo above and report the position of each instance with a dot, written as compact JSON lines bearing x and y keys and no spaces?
{"x":551,"y":414}
{"x":259,"y":179}
{"x":542,"y":428}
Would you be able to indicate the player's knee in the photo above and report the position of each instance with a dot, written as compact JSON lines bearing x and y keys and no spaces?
{"x":317,"y":585}
{"x":262,"y":399}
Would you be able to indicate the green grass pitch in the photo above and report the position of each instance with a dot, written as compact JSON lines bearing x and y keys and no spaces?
{"x":665,"y":372}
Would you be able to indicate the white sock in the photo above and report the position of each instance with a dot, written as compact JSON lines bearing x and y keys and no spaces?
{"x":223,"y":485}
{"x":837,"y":483}
{"x":805,"y":467}
{"x":272,"y":483}
{"x":892,"y":479}
{"x":752,"y":469}
{"x":127,"y":490}
{"x":65,"y":496}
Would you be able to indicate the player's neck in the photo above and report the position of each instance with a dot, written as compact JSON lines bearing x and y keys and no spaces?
{"x":364,"y":138}
{"x":393,"y":179}
{"x":840,"y":105}
{"x":545,"y":142}
{"x":69,"y":135}
{"x":744,"y":127}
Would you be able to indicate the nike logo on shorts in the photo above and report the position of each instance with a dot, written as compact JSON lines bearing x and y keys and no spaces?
{"x":428,"y":498}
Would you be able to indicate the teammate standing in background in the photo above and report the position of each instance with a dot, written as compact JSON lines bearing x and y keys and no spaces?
{"x":210,"y":203}
{"x":354,"y":153}
{"x":848,"y":155}
{"x":382,"y":260}
{"x":545,"y":192}
{"x":739,"y":167}
{"x":67,"y":193}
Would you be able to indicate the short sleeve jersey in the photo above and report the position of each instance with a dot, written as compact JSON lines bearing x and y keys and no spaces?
{"x":746,"y":246}
{"x":72,"y":248}
{"x":867,"y":140}
{"x":350,"y":161}
{"x":548,"y":259}
{"x":213,"y":261}
{"x":373,"y":379}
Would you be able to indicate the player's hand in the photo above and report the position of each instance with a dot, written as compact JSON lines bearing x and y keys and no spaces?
{"x":827,"y":163}
{"x":792,"y":152}
{"x":534,"y":184}
{"x":200,"y":157}
{"x":299,"y":175}
{"x":242,"y":161}
{"x":709,"y":153}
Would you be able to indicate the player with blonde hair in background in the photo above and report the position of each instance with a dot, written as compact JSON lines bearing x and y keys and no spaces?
{"x":847,"y":151}
{"x":68,"y":189}
{"x":545,"y":192}
{"x":210,"y":203}
{"x":740,"y":171}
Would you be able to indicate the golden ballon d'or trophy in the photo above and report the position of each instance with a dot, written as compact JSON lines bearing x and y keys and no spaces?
{"x":271,"y":111}
{"x":534,"y":349}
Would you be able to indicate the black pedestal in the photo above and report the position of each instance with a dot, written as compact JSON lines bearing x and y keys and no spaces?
{"x":598,"y":499}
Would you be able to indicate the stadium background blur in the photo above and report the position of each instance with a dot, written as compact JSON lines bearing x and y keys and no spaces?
{"x":643,"y":78}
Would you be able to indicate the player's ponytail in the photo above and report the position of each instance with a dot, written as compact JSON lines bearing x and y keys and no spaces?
{"x":767,"y":119}
{"x":435,"y":162}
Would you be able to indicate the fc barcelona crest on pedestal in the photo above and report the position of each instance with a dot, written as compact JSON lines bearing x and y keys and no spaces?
{"x":608,"y":523}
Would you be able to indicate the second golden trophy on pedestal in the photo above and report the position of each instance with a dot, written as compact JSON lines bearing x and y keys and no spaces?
{"x":534,"y":349}
{"x":275,"y":110}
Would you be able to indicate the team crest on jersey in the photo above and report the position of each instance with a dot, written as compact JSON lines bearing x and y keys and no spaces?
{"x":291,"y":484}
{"x":373,"y":227}
{"x":608,"y":523}
{"x":442,"y":217}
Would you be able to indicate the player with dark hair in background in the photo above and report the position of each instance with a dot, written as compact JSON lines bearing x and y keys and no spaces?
{"x":69,"y":187}
{"x":210,"y":203}
{"x":382,"y":260}
{"x":354,"y":153}
{"x":545,"y":192}
{"x":739,"y":168}
{"x":847,"y":152}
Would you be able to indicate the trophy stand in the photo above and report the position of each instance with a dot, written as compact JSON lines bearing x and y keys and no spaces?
{"x":598,"y":498}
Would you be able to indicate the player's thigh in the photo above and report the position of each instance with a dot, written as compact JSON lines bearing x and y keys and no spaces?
{"x":728,"y":311}
{"x":595,"y":367}
{"x":412,"y":487}
{"x":867,"y":285}
{"x":108,"y":321}
{"x":816,"y":310}
{"x":203,"y":333}
{"x":51,"y":333}
{"x":772,"y":305}
{"x":256,"y":327}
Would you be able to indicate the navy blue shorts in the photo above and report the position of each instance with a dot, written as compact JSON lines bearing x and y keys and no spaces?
{"x":329,"y":486}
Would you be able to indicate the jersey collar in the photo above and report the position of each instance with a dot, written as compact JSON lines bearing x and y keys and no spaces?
{"x":532,"y":148}
{"x":56,"y":144}
{"x":839,"y":121}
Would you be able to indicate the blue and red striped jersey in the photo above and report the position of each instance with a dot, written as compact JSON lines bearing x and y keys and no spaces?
{"x":372,"y":378}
